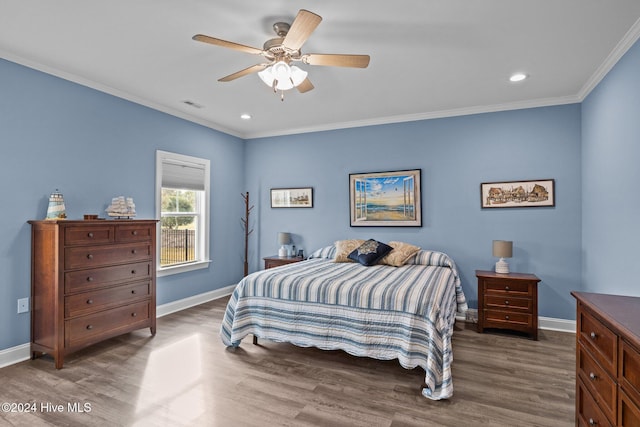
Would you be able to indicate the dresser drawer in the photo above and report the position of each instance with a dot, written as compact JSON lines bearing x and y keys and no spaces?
{"x":599,"y":384}
{"x":88,"y":235}
{"x":84,"y":280}
{"x":93,"y":256}
{"x":507,"y":287}
{"x":507,"y":319}
{"x":600,"y":340}
{"x":630,"y":370}
{"x":502,"y":302}
{"x":134,"y":233}
{"x":89,"y":302}
{"x":588,"y":413}
{"x":628,"y":411}
{"x":96,"y":327}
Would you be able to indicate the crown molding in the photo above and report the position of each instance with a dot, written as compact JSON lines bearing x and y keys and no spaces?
{"x":612,"y":59}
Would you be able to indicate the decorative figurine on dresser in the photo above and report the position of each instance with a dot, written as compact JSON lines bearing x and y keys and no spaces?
{"x":90,"y":280}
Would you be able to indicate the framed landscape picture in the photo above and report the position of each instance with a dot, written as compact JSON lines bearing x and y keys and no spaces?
{"x":292,"y":197}
{"x":385,"y":199}
{"x":518,"y":194}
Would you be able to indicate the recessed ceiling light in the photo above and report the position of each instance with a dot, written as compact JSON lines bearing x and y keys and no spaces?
{"x":245,"y":116}
{"x":517,"y":77}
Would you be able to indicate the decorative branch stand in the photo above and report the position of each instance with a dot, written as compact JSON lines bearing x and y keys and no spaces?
{"x":247,"y":231}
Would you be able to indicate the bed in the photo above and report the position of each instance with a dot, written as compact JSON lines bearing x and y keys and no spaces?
{"x":384,"y":312}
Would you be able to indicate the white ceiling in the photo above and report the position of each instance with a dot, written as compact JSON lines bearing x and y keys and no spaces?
{"x":429,"y":58}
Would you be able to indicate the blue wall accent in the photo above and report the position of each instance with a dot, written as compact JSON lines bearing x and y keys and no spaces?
{"x":92,"y":147}
{"x":455,"y":155}
{"x":610,"y":177}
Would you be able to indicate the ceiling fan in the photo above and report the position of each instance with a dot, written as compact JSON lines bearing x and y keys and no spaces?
{"x":280,"y":52}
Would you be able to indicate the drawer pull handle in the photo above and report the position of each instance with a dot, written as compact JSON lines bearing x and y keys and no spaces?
{"x":89,"y":301}
{"x":506,"y":302}
{"x":592,"y":422}
{"x":134,"y":314}
{"x":593,"y":335}
{"x":89,"y":256}
{"x":90,"y":235}
{"x":592,"y":376}
{"x":506,"y":288}
{"x":89,"y":279}
{"x":135,"y":233}
{"x":506,"y":317}
{"x":133,"y":291}
{"x":89,"y":327}
{"x":134,"y":251}
{"x":133,"y":272}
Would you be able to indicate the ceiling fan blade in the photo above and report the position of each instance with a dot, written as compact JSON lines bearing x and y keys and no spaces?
{"x":305,"y":86}
{"x":336,"y":60}
{"x":301,"y":29}
{"x":224,"y":43}
{"x":241,"y":73}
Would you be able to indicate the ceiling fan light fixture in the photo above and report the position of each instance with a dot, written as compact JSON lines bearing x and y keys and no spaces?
{"x":282,"y":76}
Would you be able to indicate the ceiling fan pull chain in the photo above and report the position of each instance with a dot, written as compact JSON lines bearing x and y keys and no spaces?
{"x":282,"y":96}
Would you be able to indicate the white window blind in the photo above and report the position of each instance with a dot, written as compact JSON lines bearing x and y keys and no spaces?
{"x":183,"y":175}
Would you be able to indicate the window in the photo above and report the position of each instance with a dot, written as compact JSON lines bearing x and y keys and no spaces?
{"x":182,"y":204}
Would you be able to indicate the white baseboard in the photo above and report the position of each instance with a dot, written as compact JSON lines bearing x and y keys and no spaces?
{"x":15,"y":354}
{"x":174,"y":306}
{"x":22,"y":352}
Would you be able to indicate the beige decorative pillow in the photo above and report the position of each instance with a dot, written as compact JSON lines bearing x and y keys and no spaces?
{"x":400,"y":254}
{"x":345,"y":247}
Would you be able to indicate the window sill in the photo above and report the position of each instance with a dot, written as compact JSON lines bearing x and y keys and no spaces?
{"x":167,"y":271}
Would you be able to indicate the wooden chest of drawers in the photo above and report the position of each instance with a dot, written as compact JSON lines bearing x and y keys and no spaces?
{"x":508,"y":301}
{"x":607,"y":360}
{"x":90,"y":280}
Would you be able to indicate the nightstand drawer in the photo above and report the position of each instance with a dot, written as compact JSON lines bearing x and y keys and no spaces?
{"x":502,"y":302}
{"x":507,"y":287}
{"x":505,"y":318}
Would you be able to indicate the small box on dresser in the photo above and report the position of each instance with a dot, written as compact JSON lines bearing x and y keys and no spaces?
{"x":607,"y":360}
{"x":90,"y":280}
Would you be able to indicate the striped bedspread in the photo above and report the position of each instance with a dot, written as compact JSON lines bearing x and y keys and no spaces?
{"x":380,"y":311}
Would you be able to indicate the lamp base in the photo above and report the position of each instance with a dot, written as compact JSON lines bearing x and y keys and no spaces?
{"x":502,"y":266}
{"x":283,"y":251}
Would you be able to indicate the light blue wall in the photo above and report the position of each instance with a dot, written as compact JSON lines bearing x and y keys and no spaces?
{"x":455,"y":155}
{"x":610,"y":177}
{"x":93,"y":146}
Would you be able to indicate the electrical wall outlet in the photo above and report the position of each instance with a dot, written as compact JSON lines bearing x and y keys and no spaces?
{"x":23,"y":305}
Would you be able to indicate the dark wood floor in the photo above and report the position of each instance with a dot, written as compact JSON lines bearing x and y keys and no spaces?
{"x":184,"y":376}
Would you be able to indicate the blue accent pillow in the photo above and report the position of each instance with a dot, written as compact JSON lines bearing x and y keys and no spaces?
{"x":370,"y":252}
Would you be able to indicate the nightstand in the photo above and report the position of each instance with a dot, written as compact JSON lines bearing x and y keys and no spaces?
{"x":277,"y":261}
{"x":508,"y":301}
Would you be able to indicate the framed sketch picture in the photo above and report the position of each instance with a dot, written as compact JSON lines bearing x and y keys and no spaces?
{"x":385,"y":199}
{"x":292,"y":197}
{"x":518,"y":194}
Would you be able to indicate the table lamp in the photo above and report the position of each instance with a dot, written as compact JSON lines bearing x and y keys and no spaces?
{"x":284,"y":239}
{"x":502,"y":249}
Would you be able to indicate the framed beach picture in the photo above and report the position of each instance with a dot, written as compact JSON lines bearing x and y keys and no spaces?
{"x":292,"y":197}
{"x":385,"y":199}
{"x":518,"y":194}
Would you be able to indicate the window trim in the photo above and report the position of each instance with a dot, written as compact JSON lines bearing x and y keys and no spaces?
{"x":204,"y":261}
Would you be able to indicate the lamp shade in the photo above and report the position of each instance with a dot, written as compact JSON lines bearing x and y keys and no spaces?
{"x":502,"y":248}
{"x":284,"y":238}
